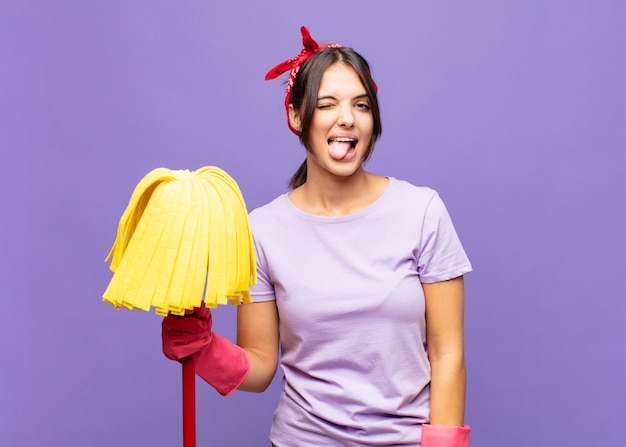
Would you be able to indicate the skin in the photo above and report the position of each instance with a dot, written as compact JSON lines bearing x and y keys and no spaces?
{"x":340,"y":187}
{"x":444,"y":337}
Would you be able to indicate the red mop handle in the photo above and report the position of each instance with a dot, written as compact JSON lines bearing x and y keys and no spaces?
{"x":189,"y":402}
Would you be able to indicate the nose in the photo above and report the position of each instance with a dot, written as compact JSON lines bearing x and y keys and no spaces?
{"x":346,"y":117}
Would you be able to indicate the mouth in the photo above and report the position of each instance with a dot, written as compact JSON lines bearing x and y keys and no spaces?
{"x":342,"y":148}
{"x":350,"y":142}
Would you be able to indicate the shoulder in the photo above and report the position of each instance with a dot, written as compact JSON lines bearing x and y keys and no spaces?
{"x":269,"y":209}
{"x":407,"y":188}
{"x":271,"y":216}
{"x":409,"y":195}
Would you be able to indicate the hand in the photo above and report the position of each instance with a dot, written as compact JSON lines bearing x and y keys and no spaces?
{"x":185,"y":335}
{"x":219,"y":362}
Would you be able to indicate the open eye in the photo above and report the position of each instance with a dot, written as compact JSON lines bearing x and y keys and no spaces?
{"x":363,"y":106}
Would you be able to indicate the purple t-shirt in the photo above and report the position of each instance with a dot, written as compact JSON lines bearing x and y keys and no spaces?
{"x":351,"y":306}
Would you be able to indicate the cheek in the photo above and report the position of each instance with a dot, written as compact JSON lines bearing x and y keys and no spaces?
{"x":317,"y":140}
{"x":321,"y":122}
{"x":369,"y":123}
{"x":319,"y":129}
{"x":319,"y":145}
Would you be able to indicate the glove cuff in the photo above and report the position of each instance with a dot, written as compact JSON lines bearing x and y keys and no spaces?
{"x":445,"y":436}
{"x":222,"y":364}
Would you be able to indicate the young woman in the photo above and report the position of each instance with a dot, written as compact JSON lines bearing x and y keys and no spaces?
{"x":360,"y":285}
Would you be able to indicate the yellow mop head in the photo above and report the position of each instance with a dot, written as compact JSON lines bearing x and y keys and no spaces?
{"x":183,"y":235}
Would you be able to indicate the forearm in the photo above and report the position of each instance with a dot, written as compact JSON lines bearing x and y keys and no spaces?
{"x":447,"y":389}
{"x":261,"y":373}
{"x":257,"y":335}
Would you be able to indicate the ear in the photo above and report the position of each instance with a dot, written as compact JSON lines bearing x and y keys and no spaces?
{"x":294,"y":118}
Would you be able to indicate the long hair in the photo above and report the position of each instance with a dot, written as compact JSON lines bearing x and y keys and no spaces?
{"x":306,"y":87}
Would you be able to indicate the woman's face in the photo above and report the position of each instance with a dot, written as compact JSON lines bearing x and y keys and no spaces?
{"x":342,"y":123}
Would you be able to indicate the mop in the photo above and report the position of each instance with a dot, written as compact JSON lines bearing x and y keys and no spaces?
{"x":184,"y":239}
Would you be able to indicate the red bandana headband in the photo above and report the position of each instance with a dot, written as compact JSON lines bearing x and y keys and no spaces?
{"x":310,"y":48}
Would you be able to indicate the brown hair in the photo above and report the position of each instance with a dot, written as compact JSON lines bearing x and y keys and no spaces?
{"x":306,"y":87}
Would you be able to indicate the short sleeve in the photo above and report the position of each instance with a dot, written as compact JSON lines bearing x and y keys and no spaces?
{"x":440,"y":254}
{"x":263,"y":290}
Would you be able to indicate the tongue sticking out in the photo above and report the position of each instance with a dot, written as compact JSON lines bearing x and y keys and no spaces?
{"x":339,"y":149}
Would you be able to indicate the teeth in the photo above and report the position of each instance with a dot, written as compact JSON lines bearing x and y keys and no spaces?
{"x":342,"y":139}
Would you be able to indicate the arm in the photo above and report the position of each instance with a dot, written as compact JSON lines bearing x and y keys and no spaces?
{"x":444,"y":338}
{"x":257,"y":334}
{"x":222,"y":364}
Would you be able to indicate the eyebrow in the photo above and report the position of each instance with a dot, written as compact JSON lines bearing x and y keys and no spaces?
{"x":364,"y":95}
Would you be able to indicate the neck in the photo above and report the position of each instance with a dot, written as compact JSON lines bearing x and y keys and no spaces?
{"x":338,"y":196}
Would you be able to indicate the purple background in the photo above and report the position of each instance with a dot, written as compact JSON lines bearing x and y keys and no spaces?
{"x":514,"y":110}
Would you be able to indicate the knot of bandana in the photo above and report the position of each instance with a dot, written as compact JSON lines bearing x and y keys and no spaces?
{"x":293,"y":66}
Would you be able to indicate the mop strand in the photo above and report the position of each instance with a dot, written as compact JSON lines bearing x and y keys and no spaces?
{"x":184,"y":238}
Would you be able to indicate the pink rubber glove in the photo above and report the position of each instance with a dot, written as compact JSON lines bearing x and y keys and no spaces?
{"x":185,"y":335}
{"x":444,"y":436}
{"x":221,"y":364}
